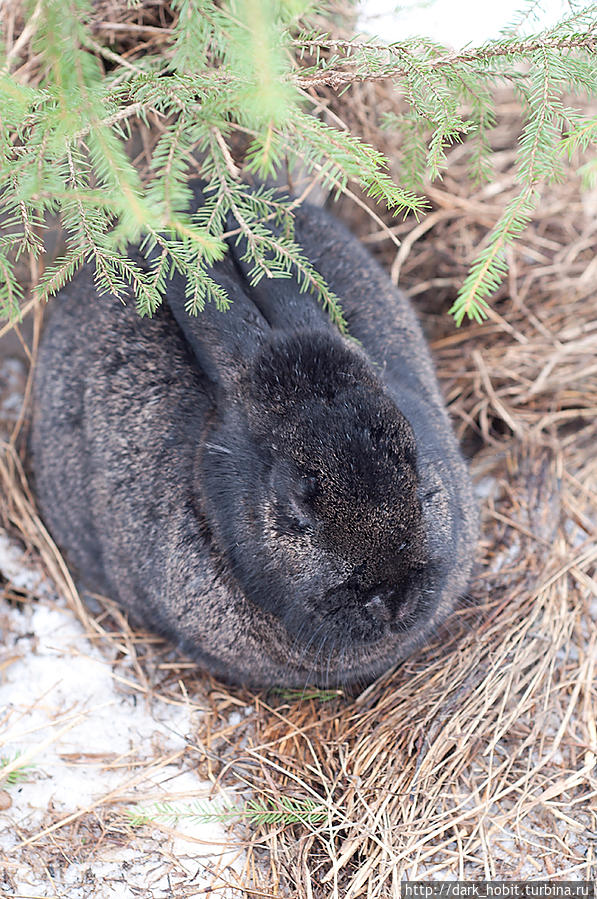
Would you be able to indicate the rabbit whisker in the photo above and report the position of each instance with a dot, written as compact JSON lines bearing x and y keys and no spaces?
{"x":294,"y":656}
{"x":303,"y":655}
{"x":315,"y":661}
{"x":215,"y":447}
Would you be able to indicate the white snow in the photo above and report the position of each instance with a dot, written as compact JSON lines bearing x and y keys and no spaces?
{"x":85,"y":737}
{"x":454,"y":23}
{"x":96,"y":749}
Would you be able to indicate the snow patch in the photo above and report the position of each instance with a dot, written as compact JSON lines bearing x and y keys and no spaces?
{"x":85,"y":737}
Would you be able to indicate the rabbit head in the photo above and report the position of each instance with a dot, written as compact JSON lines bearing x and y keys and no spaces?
{"x":309,"y":483}
{"x":332,"y":516}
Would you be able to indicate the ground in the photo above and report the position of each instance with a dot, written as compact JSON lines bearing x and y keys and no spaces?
{"x":91,"y":747}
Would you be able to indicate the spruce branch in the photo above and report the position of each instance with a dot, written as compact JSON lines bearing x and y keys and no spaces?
{"x":257,"y":68}
{"x":494,"y":50}
{"x":580,"y":136}
{"x":57,"y":275}
{"x":541,"y":144}
{"x":283,"y":810}
{"x":10,"y":290}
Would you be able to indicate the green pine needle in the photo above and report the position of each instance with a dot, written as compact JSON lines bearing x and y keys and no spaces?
{"x":18,"y":775}
{"x":283,"y":810}
{"x":292,"y":695}
{"x":258,"y":68}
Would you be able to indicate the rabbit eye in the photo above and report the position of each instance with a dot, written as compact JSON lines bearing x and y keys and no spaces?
{"x":300,"y":523}
{"x":308,"y":488}
{"x":299,"y":509}
{"x":293,"y":495}
{"x":292,"y":520}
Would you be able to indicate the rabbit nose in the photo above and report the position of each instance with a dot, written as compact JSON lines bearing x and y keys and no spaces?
{"x":388,"y":604}
{"x":379,"y":604}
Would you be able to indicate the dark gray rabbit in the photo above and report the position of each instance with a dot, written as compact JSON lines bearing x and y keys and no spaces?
{"x":289,"y":506}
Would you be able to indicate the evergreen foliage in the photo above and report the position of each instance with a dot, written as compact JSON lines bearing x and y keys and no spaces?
{"x":256,"y":68}
{"x":283,"y":810}
{"x":17,"y":774}
{"x":288,"y":694}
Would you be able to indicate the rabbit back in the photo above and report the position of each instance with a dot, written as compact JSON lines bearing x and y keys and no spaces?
{"x":119,"y":405}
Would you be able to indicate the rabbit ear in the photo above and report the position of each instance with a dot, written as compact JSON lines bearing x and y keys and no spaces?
{"x":280,"y":300}
{"x":223,"y":341}
{"x":378,"y":314}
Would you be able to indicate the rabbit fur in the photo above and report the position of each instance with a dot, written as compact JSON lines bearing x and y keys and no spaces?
{"x":288,"y":505}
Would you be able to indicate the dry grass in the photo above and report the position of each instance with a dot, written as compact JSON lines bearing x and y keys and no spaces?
{"x":477,"y":757}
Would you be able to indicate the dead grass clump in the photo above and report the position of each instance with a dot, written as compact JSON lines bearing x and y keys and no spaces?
{"x":477,"y":757}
